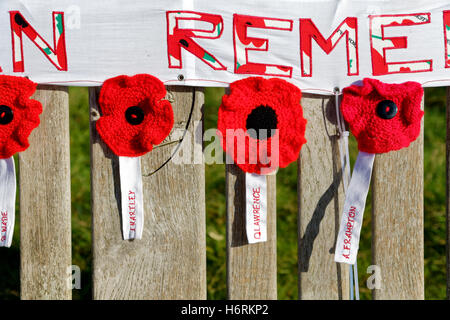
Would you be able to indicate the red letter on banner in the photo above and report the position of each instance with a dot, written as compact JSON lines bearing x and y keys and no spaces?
{"x":309,"y":31}
{"x":447,"y":38}
{"x":380,"y":43}
{"x":243,"y":43}
{"x":178,"y":38}
{"x":56,"y":55}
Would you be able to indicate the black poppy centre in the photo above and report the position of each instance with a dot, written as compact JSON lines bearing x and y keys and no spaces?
{"x":6,"y":114}
{"x":387,"y":109}
{"x":134,"y":115}
{"x":261,"y":121}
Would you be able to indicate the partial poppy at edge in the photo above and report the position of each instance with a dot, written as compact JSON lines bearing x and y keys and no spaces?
{"x":19,"y":114}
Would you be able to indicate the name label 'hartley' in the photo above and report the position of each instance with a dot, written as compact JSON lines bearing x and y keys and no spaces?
{"x":132,"y":210}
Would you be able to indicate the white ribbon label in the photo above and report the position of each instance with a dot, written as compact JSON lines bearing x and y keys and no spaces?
{"x":347,"y":243}
{"x":132,"y":197}
{"x":256,"y":207}
{"x":7,"y":200}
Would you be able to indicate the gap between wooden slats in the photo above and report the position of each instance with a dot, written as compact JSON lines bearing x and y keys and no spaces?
{"x":448,"y":193}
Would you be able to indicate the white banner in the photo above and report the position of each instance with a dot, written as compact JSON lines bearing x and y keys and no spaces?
{"x":315,"y":44}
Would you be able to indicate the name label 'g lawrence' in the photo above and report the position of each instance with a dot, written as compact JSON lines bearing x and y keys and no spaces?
{"x":256,"y":213}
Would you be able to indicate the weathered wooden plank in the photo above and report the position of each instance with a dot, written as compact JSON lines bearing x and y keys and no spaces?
{"x":320,"y":201}
{"x":448,"y":193}
{"x":397,"y":221}
{"x":45,"y":211}
{"x":169,"y":262}
{"x":251,"y":268}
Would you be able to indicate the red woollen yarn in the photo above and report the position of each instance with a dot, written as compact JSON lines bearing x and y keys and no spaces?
{"x":383,"y":117}
{"x":19,"y":114}
{"x":134,"y":115}
{"x":258,"y":103}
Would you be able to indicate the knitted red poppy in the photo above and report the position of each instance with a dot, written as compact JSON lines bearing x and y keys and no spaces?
{"x":134,"y":115}
{"x":256,"y":103}
{"x":19,"y":114}
{"x":383,"y":117}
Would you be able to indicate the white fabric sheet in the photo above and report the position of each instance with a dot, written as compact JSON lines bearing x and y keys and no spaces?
{"x":106,"y":38}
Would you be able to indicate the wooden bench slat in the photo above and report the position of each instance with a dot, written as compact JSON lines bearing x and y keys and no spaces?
{"x":397,"y":222}
{"x":45,"y":208}
{"x":251,"y":268}
{"x":169,"y":262}
{"x":320,"y":201}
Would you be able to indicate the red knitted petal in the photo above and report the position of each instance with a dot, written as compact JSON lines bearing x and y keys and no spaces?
{"x":15,"y":93}
{"x":375,"y":134}
{"x":123,"y":89}
{"x":246,"y":96}
{"x":116,"y":97}
{"x":121,"y":143}
{"x":164,"y":115}
{"x":353,"y":109}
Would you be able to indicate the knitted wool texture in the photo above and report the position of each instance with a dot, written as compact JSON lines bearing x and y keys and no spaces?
{"x":15,"y":93}
{"x":268,"y":104}
{"x":116,"y":97}
{"x":375,"y":134}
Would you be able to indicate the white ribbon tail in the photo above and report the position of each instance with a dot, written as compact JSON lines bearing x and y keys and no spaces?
{"x":347,"y":243}
{"x":131,"y":197}
{"x":256,"y":207}
{"x":7,"y":200}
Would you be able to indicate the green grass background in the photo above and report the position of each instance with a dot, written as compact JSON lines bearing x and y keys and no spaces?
{"x":434,"y":200}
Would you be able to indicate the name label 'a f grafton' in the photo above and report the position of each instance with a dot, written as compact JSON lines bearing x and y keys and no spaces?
{"x":348,"y":232}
